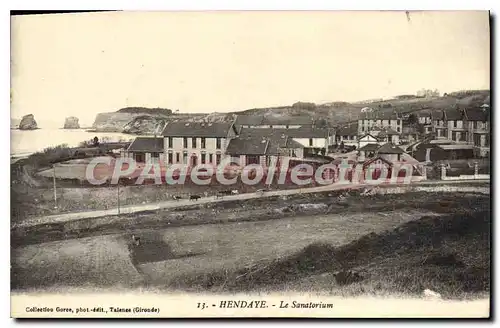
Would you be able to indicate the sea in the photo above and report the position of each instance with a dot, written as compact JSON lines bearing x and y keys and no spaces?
{"x":26,"y":142}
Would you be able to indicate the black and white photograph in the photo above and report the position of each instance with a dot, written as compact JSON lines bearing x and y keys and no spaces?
{"x":239,"y":164}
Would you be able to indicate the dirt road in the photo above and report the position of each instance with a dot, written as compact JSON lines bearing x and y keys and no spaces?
{"x":184,"y":202}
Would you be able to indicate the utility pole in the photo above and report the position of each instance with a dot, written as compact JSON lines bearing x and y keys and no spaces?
{"x":54,"y":180}
{"x":118,"y":195}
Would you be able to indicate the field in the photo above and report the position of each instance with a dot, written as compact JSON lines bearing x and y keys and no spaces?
{"x":243,"y":250}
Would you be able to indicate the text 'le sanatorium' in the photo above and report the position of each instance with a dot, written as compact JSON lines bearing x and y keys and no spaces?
{"x":264,"y":305}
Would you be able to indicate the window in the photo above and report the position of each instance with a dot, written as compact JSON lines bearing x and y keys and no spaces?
{"x":185,"y":157}
{"x":185,"y":143}
{"x":477,"y":140}
{"x":454,"y":124}
{"x":203,"y":143}
{"x":177,"y":157}
{"x":218,"y":143}
{"x":170,"y":156}
{"x":210,"y":158}
{"x":139,"y":157}
{"x":193,"y":142}
{"x":252,"y":159}
{"x":310,"y":142}
{"x":203,"y":157}
{"x":170,"y":142}
{"x":155,"y":155}
{"x":398,"y":129}
{"x":217,"y":159}
{"x":389,"y":122}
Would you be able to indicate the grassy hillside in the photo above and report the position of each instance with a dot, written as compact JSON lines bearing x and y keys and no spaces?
{"x":337,"y":112}
{"x":141,"y":120}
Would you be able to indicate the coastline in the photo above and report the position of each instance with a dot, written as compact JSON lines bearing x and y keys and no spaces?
{"x":26,"y":142}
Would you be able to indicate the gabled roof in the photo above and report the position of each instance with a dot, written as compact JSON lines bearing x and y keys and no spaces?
{"x":247,"y":146}
{"x":146,"y":144}
{"x":437,"y":114}
{"x":409,"y":159}
{"x":307,"y":132}
{"x":302,"y":132}
{"x":260,"y":145}
{"x":387,"y":132}
{"x":256,"y":120}
{"x":424,"y":114}
{"x":456,"y":147}
{"x":261,"y":132}
{"x":477,"y":114}
{"x":290,"y":143}
{"x":369,"y":147}
{"x":287,"y":120}
{"x":197,"y":129}
{"x":390,"y":148}
{"x":453,"y":114}
{"x":368,"y":162}
{"x":347,"y":130}
{"x":248,"y":120}
{"x":367,"y":135}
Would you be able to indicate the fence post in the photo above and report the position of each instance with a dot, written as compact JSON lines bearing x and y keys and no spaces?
{"x":55,"y":189}
{"x":443,"y":172}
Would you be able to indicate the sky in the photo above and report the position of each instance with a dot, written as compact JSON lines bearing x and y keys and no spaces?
{"x":83,"y":64}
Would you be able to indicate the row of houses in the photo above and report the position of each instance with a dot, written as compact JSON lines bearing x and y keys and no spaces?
{"x":468,"y":127}
{"x":252,"y":140}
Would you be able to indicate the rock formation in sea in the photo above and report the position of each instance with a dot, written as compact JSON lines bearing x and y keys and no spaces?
{"x":71,"y":123}
{"x":28,"y":123}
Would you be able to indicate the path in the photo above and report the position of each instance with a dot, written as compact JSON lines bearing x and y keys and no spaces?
{"x":65,"y":217}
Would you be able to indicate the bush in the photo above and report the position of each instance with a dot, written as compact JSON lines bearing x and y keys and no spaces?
{"x":49,"y":156}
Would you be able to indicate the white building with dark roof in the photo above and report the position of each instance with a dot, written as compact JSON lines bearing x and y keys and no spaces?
{"x":195,"y":143}
{"x":146,"y":149}
{"x":273,"y":122}
{"x":382,"y":119}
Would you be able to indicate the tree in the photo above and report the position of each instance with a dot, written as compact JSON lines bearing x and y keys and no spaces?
{"x":321,"y":123}
{"x":412,"y":119}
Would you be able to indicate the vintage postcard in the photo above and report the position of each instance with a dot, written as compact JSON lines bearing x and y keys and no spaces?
{"x":319,"y":164}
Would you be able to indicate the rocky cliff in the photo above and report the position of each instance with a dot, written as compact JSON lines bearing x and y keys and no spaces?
{"x":145,"y":121}
{"x":71,"y":123}
{"x":28,"y":123}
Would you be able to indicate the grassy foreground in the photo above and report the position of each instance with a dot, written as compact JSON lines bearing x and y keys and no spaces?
{"x":423,"y":240}
{"x":450,"y":254}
